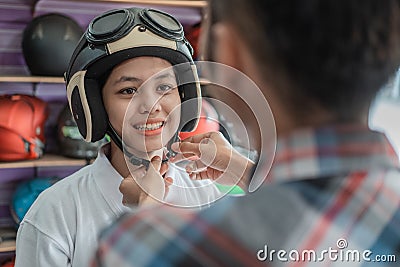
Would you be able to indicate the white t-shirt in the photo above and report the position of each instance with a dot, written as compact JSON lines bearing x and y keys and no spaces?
{"x":62,"y":226}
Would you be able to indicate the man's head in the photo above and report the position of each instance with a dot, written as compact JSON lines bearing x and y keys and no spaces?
{"x":111,"y":39}
{"x":321,"y":59}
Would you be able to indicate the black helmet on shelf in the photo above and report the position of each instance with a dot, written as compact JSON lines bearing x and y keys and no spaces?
{"x":114,"y":37}
{"x":48,"y":43}
{"x":70,"y":141}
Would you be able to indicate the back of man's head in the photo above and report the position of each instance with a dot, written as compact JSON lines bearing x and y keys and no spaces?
{"x":335,"y":53}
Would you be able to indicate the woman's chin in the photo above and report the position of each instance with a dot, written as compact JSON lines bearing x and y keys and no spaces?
{"x":147,"y":145}
{"x":151,"y":148}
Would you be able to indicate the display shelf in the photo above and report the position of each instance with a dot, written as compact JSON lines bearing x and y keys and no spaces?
{"x":48,"y":160}
{"x":7,"y":246}
{"x":176,"y":3}
{"x":31,"y":79}
{"x":7,"y":239}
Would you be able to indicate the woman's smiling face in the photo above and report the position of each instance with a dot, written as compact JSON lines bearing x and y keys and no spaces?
{"x":146,"y":113}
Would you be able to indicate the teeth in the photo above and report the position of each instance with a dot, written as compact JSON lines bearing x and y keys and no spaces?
{"x":150,"y":126}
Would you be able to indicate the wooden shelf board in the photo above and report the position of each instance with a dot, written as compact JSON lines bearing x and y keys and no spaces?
{"x":48,"y":160}
{"x":31,"y":79}
{"x":176,"y":3}
{"x":7,"y":246}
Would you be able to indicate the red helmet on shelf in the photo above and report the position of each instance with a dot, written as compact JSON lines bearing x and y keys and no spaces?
{"x":9,"y":264}
{"x":208,"y":121}
{"x":22,"y":119}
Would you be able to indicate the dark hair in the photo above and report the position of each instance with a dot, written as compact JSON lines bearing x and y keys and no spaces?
{"x":335,"y":53}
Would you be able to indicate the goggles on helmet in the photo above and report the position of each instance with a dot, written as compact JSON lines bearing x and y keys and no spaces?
{"x":120,"y":29}
{"x":115,"y":24}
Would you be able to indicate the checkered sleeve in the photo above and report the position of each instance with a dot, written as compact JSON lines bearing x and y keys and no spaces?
{"x":171,"y":237}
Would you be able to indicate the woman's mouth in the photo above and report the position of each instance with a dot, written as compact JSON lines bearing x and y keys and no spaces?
{"x":153,"y":128}
{"x":149,"y":126}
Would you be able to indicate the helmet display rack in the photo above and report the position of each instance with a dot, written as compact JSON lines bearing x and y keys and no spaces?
{"x":7,"y":248}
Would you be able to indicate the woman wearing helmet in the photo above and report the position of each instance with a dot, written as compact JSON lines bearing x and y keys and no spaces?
{"x":107,"y":94}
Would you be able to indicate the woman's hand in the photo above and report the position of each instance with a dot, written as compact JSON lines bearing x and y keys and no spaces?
{"x":212,"y":157}
{"x":143,"y":187}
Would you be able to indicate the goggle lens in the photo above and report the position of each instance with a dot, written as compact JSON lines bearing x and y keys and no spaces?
{"x":101,"y":27}
{"x":166,"y":22}
{"x":110,"y":26}
{"x":163,"y":24}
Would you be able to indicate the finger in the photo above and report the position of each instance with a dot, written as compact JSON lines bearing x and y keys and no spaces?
{"x":208,"y":151}
{"x":152,"y":183}
{"x":186,"y":148}
{"x":156,"y":163}
{"x":203,"y":175}
{"x":177,"y":158}
{"x":208,"y":173}
{"x":192,"y":176}
{"x":175,"y":146}
{"x":199,"y":175}
{"x":126,"y":183}
{"x":166,"y":191}
{"x":198,"y":137}
{"x":169,"y":181}
{"x":137,"y":173}
{"x":128,"y":189}
{"x":128,"y":201}
{"x":125,"y":202}
{"x":183,"y":157}
{"x":195,"y":167}
{"x":213,"y":174}
{"x":164,"y":168}
{"x":129,"y":177}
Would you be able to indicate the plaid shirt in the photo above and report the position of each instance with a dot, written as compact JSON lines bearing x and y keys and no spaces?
{"x":331,"y":199}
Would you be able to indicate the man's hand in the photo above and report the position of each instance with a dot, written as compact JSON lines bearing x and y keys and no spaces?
{"x":212,"y":157}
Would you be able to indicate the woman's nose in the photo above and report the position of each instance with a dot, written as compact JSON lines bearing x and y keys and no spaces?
{"x":149,"y":102}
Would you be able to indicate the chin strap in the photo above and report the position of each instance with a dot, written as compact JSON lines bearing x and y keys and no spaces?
{"x":136,"y":160}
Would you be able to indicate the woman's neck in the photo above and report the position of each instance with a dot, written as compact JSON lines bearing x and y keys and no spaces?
{"x":117,"y":160}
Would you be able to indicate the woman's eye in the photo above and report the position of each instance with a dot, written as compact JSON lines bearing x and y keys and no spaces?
{"x":164,"y":88}
{"x":128,"y":91}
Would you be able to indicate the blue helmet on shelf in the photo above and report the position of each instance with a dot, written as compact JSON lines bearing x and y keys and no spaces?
{"x":26,"y":193}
